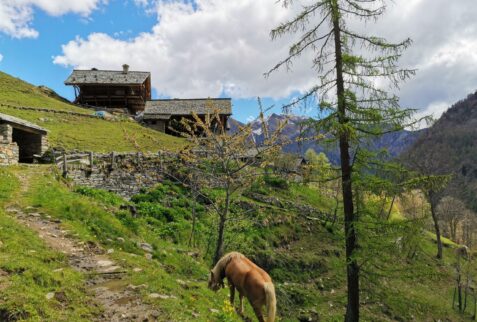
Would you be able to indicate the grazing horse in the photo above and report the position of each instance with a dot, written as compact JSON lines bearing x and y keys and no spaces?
{"x":250,"y":281}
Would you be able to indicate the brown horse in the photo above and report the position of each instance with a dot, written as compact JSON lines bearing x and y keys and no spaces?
{"x":250,"y":281}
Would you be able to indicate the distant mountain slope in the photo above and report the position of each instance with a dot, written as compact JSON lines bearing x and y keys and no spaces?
{"x":395,"y":143}
{"x":77,"y":132}
{"x":450,"y":147}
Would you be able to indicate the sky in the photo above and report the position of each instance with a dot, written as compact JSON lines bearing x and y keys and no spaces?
{"x":222,"y":48}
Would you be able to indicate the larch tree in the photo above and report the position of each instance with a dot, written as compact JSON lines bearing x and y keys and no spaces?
{"x":354,"y":104}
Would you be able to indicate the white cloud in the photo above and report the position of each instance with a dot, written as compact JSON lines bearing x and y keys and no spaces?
{"x":219,"y":46}
{"x":16,"y":16}
{"x":1,"y":58}
{"x":444,"y":51}
{"x":141,"y":3}
{"x":251,"y":118}
{"x":223,"y":46}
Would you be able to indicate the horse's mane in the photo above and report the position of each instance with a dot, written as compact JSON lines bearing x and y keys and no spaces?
{"x":219,"y":268}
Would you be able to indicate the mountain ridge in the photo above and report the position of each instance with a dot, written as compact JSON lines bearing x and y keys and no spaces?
{"x":395,"y":143}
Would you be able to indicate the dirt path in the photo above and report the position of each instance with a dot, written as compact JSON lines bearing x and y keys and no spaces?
{"x":119,"y":301}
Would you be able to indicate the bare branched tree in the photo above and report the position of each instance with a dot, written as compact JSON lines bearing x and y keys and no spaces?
{"x":451,"y":212}
{"x":227,"y":162}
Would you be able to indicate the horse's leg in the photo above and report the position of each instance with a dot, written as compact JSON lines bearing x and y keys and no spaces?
{"x":257,"y":308}
{"x":232,"y":293}
{"x":241,"y":303}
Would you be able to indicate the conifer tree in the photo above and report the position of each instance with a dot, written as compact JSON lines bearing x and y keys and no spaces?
{"x":349,"y":65}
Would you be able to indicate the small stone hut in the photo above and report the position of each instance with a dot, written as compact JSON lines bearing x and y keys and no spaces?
{"x":20,"y":140}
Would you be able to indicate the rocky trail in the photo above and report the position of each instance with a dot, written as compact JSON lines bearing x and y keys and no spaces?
{"x":104,"y":278}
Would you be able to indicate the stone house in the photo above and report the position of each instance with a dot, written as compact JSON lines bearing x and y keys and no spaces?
{"x":130,"y":92}
{"x":164,"y":114}
{"x":20,"y":140}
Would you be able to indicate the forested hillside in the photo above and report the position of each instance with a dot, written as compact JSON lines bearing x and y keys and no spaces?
{"x":450,"y":147}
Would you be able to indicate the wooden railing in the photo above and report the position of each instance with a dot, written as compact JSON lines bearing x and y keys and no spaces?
{"x":82,"y":159}
{"x":87,"y":160}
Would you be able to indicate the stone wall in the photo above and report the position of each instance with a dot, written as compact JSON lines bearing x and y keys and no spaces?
{"x":9,"y":152}
{"x":6,"y":132}
{"x":126,"y":175}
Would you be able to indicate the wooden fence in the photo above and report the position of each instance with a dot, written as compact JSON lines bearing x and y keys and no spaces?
{"x":81,"y":160}
{"x":87,"y":160}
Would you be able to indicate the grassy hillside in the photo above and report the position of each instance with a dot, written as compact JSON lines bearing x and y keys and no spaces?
{"x":29,"y":270}
{"x":76,"y":132}
{"x":304,"y":256}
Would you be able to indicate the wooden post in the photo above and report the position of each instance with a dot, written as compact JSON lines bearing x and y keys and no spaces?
{"x":65,"y":165}
{"x":138,"y":158}
{"x":91,"y":160}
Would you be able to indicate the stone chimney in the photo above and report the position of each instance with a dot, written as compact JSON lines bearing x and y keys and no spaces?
{"x":125,"y":68}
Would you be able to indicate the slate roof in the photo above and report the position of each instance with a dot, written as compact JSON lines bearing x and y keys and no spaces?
{"x":4,"y":118}
{"x":161,"y":109}
{"x":85,"y":77}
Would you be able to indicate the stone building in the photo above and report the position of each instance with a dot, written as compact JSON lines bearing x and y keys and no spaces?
{"x":130,"y":91}
{"x":108,"y":89}
{"x":20,"y":140}
{"x":164,"y":114}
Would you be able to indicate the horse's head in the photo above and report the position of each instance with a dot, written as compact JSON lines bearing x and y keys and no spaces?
{"x":214,"y":283}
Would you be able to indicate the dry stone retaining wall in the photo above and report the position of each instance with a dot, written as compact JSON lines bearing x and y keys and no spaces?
{"x":126,"y":175}
{"x":9,"y":152}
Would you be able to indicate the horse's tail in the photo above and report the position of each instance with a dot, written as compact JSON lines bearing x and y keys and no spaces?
{"x":271,"y":301}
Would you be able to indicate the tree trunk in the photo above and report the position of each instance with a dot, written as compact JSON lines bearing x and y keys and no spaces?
{"x":454,"y":224}
{"x":391,"y":207}
{"x":352,"y":268}
{"x":219,"y":249}
{"x":192,"y":233}
{"x":436,"y":226}
{"x":459,"y":284}
{"x":220,"y":240}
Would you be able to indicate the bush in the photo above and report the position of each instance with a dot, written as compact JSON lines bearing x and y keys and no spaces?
{"x":127,"y":220}
{"x":103,"y":196}
{"x":158,"y":211}
{"x":258,"y":187}
{"x":276,"y":182}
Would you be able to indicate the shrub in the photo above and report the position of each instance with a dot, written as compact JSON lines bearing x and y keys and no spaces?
{"x":103,"y":196}
{"x":128,"y":220}
{"x":276,"y":182}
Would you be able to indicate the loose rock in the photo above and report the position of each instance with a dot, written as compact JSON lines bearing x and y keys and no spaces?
{"x":146,"y":247}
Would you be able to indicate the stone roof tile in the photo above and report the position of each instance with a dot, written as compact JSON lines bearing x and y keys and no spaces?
{"x":4,"y":118}
{"x":157,"y":108}
{"x":82,"y":77}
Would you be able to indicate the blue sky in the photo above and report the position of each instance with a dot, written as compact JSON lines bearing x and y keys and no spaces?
{"x":32,"y":59}
{"x":221,"y":48}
